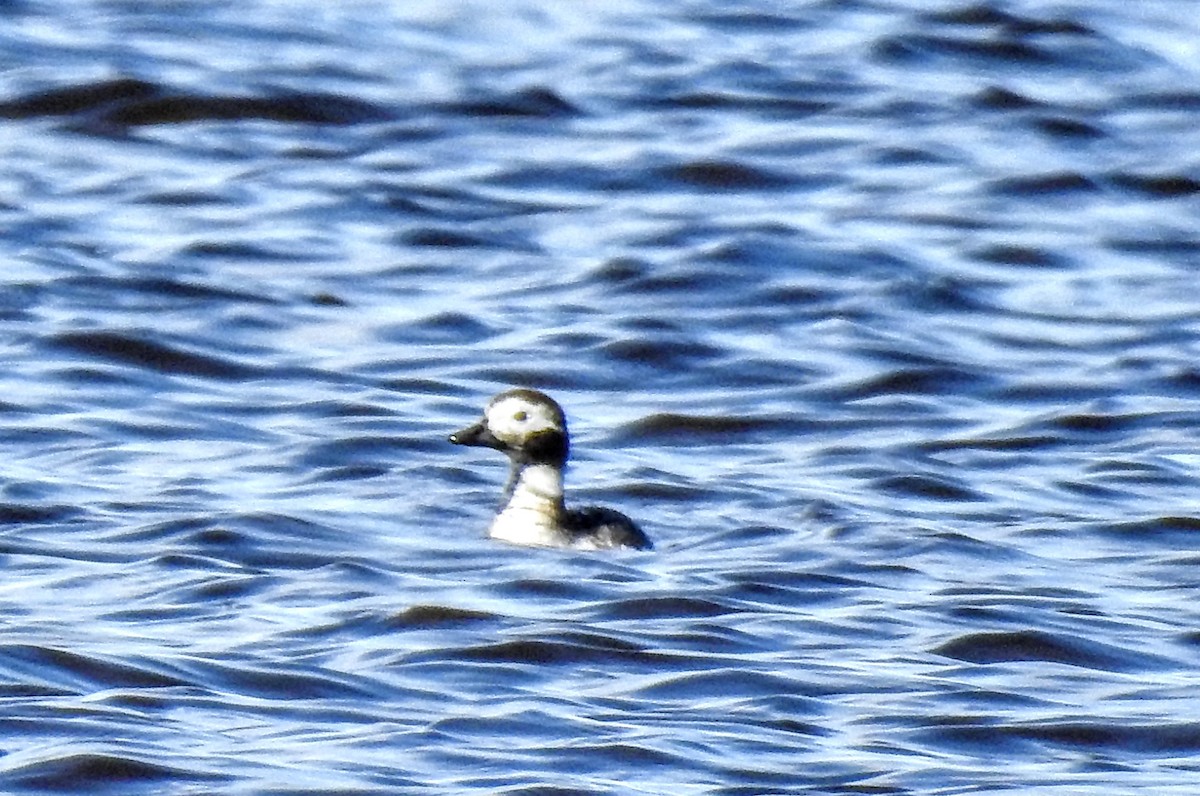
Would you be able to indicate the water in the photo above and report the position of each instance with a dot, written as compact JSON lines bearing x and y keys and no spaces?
{"x":879,"y":317}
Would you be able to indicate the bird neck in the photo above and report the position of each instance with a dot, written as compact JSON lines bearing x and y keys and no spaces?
{"x":535,"y":487}
{"x":532,"y":513}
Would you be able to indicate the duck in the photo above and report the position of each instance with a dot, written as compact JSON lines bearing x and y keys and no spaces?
{"x":531,"y":429}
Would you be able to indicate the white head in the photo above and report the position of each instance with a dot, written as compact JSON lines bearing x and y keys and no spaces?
{"x":526,"y":424}
{"x":517,"y":415}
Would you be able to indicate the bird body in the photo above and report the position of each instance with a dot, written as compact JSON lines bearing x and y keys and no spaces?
{"x":531,"y":429}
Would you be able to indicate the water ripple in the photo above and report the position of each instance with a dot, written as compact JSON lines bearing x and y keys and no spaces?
{"x":879,"y":317}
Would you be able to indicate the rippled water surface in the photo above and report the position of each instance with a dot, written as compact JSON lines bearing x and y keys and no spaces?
{"x":881,"y":318}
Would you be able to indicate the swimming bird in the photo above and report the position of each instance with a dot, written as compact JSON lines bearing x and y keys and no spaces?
{"x":531,"y":429}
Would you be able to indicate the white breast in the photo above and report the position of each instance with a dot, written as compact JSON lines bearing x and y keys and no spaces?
{"x":533,"y":514}
{"x":527,"y":527}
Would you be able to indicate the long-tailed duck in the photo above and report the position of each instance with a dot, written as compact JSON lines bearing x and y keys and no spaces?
{"x":531,"y":429}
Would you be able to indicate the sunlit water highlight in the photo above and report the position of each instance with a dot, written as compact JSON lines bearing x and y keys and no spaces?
{"x":880,"y":318}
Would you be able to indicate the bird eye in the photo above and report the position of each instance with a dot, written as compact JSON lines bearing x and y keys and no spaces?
{"x":520,"y":417}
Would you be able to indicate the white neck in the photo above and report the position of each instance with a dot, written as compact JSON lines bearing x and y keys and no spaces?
{"x":533,"y":513}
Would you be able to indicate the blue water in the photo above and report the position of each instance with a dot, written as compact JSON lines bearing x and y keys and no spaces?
{"x":881,"y":318}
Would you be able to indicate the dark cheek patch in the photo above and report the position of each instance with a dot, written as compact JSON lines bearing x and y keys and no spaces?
{"x":547,"y":446}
